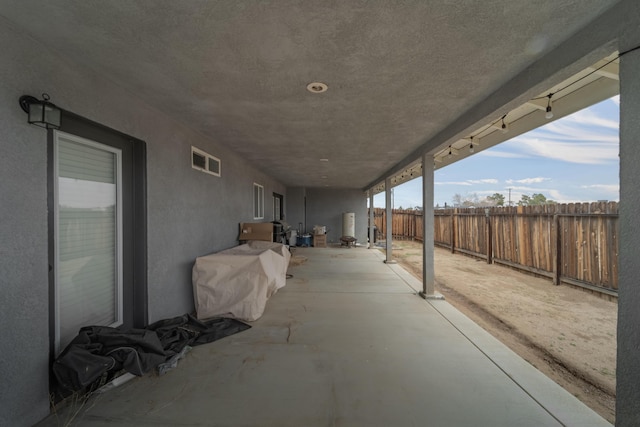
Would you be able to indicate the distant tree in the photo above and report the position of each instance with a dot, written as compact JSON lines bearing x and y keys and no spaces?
{"x":473,"y":200}
{"x":534,"y":200}
{"x":470,"y":201}
{"x":496,"y":200}
{"x":524,"y":200}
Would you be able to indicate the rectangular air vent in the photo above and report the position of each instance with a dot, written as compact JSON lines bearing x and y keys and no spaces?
{"x":205,"y":162}
{"x":199,"y":161}
{"x":214,"y":166}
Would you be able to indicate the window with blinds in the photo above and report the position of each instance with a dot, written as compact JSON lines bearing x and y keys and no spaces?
{"x":88,"y":236}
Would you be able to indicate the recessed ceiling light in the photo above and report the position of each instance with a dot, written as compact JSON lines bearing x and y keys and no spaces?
{"x":317,"y":87}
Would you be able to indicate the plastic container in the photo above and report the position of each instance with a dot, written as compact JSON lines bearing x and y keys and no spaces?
{"x":304,"y":240}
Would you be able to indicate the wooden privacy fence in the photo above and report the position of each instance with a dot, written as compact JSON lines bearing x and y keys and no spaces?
{"x":575,"y":243}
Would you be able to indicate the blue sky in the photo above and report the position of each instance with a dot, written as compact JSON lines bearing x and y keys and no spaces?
{"x":573,"y":159}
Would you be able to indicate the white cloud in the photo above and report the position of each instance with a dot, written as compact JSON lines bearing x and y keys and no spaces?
{"x":565,"y":131}
{"x":468,"y":182}
{"x":588,"y":117}
{"x":502,"y":154}
{"x":583,"y":137}
{"x":557,"y":196}
{"x":452,"y":183}
{"x":589,"y":137}
{"x":582,"y":153}
{"x":528,"y":189}
{"x":612,"y":188}
{"x":535,"y":180}
{"x":491,"y":192}
{"x":483,"y":181}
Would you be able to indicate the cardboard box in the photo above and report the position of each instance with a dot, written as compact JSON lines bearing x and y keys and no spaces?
{"x":320,"y":240}
{"x":256,"y":231}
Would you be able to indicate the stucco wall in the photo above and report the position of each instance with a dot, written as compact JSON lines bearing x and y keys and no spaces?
{"x":190,"y":213}
{"x":326,"y":206}
{"x":628,"y":366}
{"x":323,"y":206}
{"x":23,"y":243}
{"x":295,"y":206}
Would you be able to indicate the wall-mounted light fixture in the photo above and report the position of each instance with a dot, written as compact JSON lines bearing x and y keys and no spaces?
{"x":41,"y":112}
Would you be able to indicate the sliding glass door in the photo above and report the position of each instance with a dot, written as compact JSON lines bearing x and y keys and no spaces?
{"x":88,"y":236}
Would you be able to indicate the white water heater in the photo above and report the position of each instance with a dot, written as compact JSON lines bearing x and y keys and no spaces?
{"x":349,"y":224}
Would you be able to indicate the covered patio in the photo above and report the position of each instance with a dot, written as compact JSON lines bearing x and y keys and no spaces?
{"x":346,"y":342}
{"x":173,"y":122}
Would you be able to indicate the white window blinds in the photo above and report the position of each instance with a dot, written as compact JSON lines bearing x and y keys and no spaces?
{"x":88,"y":236}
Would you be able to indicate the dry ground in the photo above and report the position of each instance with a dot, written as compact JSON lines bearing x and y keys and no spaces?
{"x":567,"y":333}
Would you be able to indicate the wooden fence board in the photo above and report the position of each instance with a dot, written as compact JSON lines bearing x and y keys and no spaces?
{"x":575,"y":242}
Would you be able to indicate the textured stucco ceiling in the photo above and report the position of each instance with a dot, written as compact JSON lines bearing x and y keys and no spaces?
{"x":398,"y":71}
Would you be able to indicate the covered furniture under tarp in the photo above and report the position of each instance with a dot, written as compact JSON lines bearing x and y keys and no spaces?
{"x":238,"y":282}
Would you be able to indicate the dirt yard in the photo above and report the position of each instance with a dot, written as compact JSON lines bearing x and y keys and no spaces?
{"x":567,"y":333}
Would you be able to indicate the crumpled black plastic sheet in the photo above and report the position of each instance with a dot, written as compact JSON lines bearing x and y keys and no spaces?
{"x":97,"y":350}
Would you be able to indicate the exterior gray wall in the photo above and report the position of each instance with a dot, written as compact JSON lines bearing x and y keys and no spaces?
{"x":628,"y":366}
{"x":23,"y":244}
{"x":190,"y":213}
{"x":295,"y":206}
{"x":326,"y":206}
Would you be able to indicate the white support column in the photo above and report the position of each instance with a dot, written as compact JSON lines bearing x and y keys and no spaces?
{"x":371,"y":219}
{"x":428,"y":263}
{"x":389,"y":224}
{"x":628,"y":365}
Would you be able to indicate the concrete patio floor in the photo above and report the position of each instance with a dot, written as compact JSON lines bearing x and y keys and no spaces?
{"x":346,"y":343}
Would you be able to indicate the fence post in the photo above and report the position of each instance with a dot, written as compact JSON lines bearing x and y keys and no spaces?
{"x":453,"y":230}
{"x":489,"y":245}
{"x":557,"y":255}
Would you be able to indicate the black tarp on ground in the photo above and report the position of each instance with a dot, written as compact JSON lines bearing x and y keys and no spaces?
{"x":98,"y":350}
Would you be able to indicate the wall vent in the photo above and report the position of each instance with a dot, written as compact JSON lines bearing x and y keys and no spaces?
{"x":205,"y":162}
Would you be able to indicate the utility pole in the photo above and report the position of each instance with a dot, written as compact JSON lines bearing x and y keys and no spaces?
{"x":509,"y":195}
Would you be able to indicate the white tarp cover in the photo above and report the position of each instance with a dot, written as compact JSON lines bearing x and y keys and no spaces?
{"x":238,"y":282}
